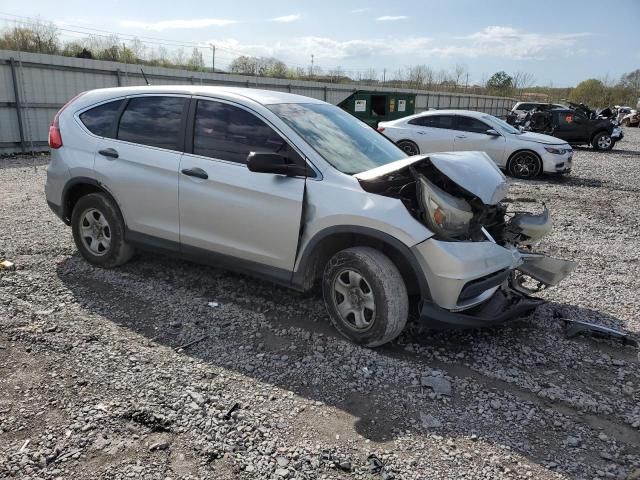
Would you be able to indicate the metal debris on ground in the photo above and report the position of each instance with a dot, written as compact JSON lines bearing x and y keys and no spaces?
{"x":577,"y":327}
{"x":233,"y":408}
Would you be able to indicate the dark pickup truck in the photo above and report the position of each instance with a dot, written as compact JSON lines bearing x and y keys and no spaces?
{"x":576,"y":128}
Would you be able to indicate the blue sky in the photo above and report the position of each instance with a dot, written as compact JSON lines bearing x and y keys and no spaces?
{"x":559,"y":42}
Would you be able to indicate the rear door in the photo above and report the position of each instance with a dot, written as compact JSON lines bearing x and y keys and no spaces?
{"x":433,"y":133}
{"x":571,"y":126}
{"x":139,"y":163}
{"x":471,"y":136}
{"x":252,"y":218}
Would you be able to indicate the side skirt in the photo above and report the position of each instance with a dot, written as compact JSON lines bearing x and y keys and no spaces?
{"x":200,"y":255}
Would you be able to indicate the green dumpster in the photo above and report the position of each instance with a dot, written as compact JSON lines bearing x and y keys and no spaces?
{"x":374,"y":107}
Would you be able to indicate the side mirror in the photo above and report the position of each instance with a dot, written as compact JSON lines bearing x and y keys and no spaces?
{"x":492,"y":133}
{"x":274,"y":163}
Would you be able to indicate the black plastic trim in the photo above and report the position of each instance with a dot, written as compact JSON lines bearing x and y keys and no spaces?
{"x":503,"y":306}
{"x":475,"y":287}
{"x":200,"y":255}
{"x":300,"y":274}
{"x":57,"y":209}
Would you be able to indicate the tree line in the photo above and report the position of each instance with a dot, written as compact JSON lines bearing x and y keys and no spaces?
{"x":41,"y":37}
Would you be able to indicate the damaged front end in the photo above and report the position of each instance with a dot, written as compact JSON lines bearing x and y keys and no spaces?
{"x":478,"y":264}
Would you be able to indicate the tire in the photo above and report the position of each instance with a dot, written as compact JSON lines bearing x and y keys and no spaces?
{"x":602,"y":141}
{"x":626,"y":122}
{"x":98,"y":231}
{"x":525,"y":164}
{"x":408,"y":147}
{"x":364,"y":282}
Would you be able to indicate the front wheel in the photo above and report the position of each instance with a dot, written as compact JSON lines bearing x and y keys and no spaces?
{"x":602,"y":141}
{"x":365,"y":296}
{"x":525,"y":165}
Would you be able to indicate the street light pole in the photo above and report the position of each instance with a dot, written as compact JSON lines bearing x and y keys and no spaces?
{"x":213,"y":58}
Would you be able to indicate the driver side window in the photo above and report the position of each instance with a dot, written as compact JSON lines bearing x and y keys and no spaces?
{"x":473,"y":125}
{"x":226,"y":132}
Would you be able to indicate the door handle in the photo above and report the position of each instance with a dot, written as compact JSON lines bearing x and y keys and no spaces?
{"x":422,"y":133}
{"x":461,"y":136}
{"x":109,"y":152}
{"x":195,"y":172}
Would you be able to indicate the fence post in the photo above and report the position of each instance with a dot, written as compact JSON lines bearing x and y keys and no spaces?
{"x":16,"y":93}
{"x":118,"y":74}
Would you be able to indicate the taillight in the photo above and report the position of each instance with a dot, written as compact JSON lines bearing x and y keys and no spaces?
{"x":55,"y":138}
{"x":380,"y":129}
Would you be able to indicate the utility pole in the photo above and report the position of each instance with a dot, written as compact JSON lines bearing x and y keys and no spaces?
{"x":213,"y":58}
{"x":311,"y":75}
{"x":466,"y":85}
{"x":384,"y":75}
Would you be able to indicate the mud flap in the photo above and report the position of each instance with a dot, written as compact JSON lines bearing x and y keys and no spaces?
{"x":547,"y":270}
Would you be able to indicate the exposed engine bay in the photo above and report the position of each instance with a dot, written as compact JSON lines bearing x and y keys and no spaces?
{"x":470,"y":209}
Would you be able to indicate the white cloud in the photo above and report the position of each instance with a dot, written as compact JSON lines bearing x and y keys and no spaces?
{"x":299,"y":49}
{"x":178,"y":24}
{"x":391,"y":18}
{"x":286,"y":18}
{"x":508,"y":42}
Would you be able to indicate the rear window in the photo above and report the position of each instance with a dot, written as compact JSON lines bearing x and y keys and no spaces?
{"x":99,"y":120}
{"x":434,"y":121}
{"x":153,"y":121}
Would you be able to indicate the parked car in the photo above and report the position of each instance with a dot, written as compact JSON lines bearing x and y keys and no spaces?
{"x":300,"y":192}
{"x":631,"y":119}
{"x":522,"y":155}
{"x":576,"y":128}
{"x":521,"y":108}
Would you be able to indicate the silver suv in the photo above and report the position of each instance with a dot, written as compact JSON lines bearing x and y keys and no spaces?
{"x":298,"y":191}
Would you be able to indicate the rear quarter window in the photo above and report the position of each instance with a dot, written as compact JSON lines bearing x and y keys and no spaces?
{"x":99,"y":120}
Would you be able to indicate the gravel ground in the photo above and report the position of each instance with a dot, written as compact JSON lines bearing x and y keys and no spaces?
{"x":164,"y":369}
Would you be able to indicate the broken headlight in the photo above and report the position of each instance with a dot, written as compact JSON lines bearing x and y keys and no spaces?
{"x":446,"y":215}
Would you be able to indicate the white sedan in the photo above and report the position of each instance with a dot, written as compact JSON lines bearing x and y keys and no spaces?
{"x":522,"y":155}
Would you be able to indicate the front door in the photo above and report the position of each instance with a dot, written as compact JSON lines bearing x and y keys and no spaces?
{"x":250,"y":218}
{"x":471,"y":135}
{"x":571,"y":126}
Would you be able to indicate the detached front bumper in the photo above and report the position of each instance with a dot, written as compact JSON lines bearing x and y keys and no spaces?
{"x":471,"y":284}
{"x":617,"y":134}
{"x":504,"y":305}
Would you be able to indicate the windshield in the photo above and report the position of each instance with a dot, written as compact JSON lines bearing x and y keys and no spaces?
{"x":501,"y":124}
{"x":348,"y":144}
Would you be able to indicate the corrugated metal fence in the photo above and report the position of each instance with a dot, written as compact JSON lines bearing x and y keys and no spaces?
{"x":34,"y":86}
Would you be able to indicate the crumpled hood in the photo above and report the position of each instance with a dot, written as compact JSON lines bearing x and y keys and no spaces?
{"x":540,"y":138}
{"x":473,"y":171}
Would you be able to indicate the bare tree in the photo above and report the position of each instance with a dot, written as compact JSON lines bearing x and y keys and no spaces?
{"x":460,"y":72}
{"x":522,"y":80}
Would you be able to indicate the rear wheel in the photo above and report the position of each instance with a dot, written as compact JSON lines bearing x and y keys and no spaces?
{"x":602,"y":141}
{"x":525,"y":165}
{"x":98,"y":231}
{"x":365,"y":295}
{"x":409,"y":147}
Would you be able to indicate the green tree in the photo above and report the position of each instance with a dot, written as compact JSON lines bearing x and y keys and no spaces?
{"x":591,"y":92}
{"x":500,"y":82}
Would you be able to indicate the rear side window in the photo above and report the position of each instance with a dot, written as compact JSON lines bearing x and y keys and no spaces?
{"x":469,"y":124}
{"x":229,"y":133}
{"x":434,"y":121}
{"x":153,"y":121}
{"x":525,"y":107}
{"x":99,"y":120}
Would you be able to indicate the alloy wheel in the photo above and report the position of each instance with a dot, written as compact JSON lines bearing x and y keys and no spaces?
{"x":354,"y":300}
{"x":604,"y":142}
{"x":95,"y":232}
{"x":525,"y":165}
{"x":408,"y":148}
